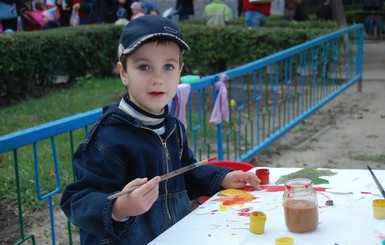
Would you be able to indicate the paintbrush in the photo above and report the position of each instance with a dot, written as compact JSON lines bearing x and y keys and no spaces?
{"x":166,"y":176}
{"x":379,"y":186}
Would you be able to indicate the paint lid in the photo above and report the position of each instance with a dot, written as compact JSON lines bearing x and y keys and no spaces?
{"x":284,"y":240}
{"x":380,"y":203}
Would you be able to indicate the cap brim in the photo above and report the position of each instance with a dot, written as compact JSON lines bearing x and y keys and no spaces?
{"x":182,"y":44}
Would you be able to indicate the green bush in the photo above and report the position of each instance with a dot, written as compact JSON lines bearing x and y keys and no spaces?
{"x":216,"y":49}
{"x":31,"y":61}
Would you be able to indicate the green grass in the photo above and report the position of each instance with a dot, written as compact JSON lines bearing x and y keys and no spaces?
{"x":87,"y":94}
{"x":84,"y":96}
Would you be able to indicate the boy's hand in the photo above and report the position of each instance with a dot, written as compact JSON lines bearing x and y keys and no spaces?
{"x":238,"y":179}
{"x":138,"y":201}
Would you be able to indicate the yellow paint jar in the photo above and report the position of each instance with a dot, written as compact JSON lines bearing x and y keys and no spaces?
{"x":257,"y":222}
{"x":379,"y":208}
{"x":285,"y":240}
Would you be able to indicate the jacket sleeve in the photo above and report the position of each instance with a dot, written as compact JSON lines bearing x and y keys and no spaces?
{"x":85,"y":201}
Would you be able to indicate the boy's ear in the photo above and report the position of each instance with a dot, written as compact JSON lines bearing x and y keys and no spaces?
{"x":122,"y":73}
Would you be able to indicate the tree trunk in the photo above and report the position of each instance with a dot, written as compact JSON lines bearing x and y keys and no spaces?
{"x":338,"y":12}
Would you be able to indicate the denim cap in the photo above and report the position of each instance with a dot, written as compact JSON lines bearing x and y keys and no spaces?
{"x":145,"y":27}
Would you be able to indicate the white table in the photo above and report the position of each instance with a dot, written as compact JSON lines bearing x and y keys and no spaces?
{"x":349,"y":221}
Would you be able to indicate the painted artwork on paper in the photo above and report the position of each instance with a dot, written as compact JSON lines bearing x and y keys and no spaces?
{"x":234,"y":198}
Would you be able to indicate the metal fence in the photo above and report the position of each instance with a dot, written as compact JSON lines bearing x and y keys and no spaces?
{"x":266,"y":99}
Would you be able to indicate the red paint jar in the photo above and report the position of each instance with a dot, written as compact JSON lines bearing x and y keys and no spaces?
{"x":263,"y":175}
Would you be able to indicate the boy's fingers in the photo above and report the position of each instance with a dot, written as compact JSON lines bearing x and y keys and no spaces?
{"x":138,"y":181}
{"x":150,"y":184}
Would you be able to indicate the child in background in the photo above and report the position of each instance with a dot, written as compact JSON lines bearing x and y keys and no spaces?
{"x":137,"y":10}
{"x":154,"y":12}
{"x":135,"y":141}
{"x":122,"y":16}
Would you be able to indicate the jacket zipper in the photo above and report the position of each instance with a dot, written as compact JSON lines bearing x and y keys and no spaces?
{"x":168,"y":170}
{"x":167,"y":155}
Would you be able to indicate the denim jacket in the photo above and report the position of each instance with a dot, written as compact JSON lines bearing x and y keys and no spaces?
{"x":117,"y":150}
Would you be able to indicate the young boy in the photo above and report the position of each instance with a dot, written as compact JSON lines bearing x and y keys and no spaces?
{"x":137,"y":140}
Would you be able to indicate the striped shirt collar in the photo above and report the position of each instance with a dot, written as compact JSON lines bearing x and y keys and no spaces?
{"x":155,"y":122}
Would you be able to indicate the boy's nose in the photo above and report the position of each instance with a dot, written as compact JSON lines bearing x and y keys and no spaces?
{"x":157,"y":81}
{"x":157,"y":78}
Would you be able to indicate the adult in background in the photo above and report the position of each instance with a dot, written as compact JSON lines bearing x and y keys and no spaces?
{"x":109,"y":8}
{"x":324,"y":11}
{"x":184,"y":8}
{"x":295,"y":11}
{"x":88,"y":11}
{"x":217,"y":13}
{"x":256,"y":12}
{"x":65,"y":9}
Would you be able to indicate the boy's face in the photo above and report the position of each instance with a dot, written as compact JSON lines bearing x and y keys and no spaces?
{"x":152,"y":75}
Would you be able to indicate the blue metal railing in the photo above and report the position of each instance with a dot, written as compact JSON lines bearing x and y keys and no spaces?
{"x":335,"y":64}
{"x":267,"y":98}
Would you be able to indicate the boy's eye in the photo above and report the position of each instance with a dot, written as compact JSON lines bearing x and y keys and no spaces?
{"x":169,"y":67}
{"x":143,"y":67}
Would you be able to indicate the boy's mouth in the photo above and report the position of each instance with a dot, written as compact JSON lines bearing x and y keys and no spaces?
{"x":156,"y":93}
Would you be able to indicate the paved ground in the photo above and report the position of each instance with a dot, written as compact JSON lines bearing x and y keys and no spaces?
{"x":356,"y":135}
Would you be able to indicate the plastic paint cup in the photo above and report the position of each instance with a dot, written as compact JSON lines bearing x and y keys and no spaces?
{"x":257,"y":222}
{"x":379,"y":208}
{"x":263,"y":175}
{"x":285,"y":240}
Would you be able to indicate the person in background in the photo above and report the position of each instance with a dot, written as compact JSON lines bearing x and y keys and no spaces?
{"x":324,"y":11}
{"x":88,"y":11}
{"x":109,"y":8}
{"x":256,"y":14}
{"x":147,"y":6}
{"x":135,"y":141}
{"x":65,"y":9}
{"x":217,"y":13}
{"x":155,"y":11}
{"x":295,"y":11}
{"x":373,"y":23}
{"x":11,"y":25}
{"x":122,"y":16}
{"x":136,"y":10}
{"x":184,"y":8}
{"x":50,"y":18}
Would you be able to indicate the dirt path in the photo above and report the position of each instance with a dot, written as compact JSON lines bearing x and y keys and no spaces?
{"x":350,"y":134}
